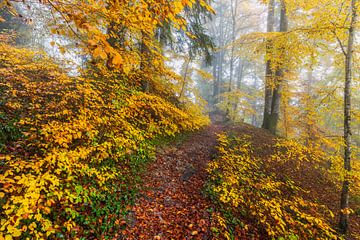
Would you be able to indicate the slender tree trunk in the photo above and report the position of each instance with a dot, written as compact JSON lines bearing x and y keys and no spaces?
{"x":279,"y":77}
{"x":240,"y":73}
{"x":220,"y":78}
{"x":216,"y":80}
{"x":188,"y":61}
{"x":144,"y":83}
{"x":231,"y":71}
{"x":344,"y":203}
{"x":275,"y":104}
{"x":220,"y":71}
{"x":234,"y":6}
{"x":254,"y":102}
{"x":268,"y":71}
{"x":309,"y":101}
{"x":240,"y":76}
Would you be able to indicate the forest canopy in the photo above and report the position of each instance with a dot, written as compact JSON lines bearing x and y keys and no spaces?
{"x":223,"y":119}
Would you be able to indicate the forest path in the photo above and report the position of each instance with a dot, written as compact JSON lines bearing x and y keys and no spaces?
{"x":172,"y":204}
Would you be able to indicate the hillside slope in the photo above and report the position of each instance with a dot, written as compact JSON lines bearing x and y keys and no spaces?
{"x":286,"y":161}
{"x":174,"y":205}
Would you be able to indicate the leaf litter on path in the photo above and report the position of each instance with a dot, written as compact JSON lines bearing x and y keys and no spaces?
{"x":172,"y":204}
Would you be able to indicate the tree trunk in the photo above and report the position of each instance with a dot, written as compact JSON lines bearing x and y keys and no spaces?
{"x":275,"y":104}
{"x":254,"y":102}
{"x":309,"y":101}
{"x":234,"y":6}
{"x":268,"y":71}
{"x":220,"y":72}
{"x":216,"y":80}
{"x":144,"y":83}
{"x":240,"y":76}
{"x":188,"y":61}
{"x":279,"y":77}
{"x":240,"y":73}
{"x":344,"y":203}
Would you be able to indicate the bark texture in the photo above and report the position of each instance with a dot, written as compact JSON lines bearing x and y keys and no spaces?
{"x":344,"y":203}
{"x":268,"y":71}
{"x":279,"y":77}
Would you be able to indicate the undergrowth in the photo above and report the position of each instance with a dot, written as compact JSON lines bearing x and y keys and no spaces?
{"x":254,"y":202}
{"x":71,"y":160}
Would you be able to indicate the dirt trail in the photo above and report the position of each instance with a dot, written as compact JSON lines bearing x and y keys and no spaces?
{"x":172,"y":205}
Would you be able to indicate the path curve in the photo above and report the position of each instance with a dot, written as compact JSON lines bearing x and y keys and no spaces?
{"x":172,"y":204}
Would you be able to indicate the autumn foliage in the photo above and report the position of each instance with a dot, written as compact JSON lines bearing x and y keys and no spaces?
{"x":72,"y":147}
{"x":76,"y":138}
{"x":256,"y":200}
{"x":79,"y":139}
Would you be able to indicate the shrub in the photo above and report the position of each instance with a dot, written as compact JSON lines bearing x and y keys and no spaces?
{"x":256,"y":201}
{"x":84,"y":140}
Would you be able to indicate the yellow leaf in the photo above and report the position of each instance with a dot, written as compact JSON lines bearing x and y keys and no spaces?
{"x":32,"y":226}
{"x":346,"y":211}
{"x":62,"y":50}
{"x":92,"y":42}
{"x":98,"y":52}
{"x":177,"y":7}
{"x":117,"y":60}
{"x":17,"y":233}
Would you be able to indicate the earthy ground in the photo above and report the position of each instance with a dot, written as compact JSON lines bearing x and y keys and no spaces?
{"x":172,"y":204}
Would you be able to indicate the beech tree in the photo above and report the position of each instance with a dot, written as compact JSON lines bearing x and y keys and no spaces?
{"x":268,"y":71}
{"x":74,"y":140}
{"x":344,"y":204}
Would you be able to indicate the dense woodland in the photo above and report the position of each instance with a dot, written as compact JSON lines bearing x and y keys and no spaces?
{"x":179,"y":119}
